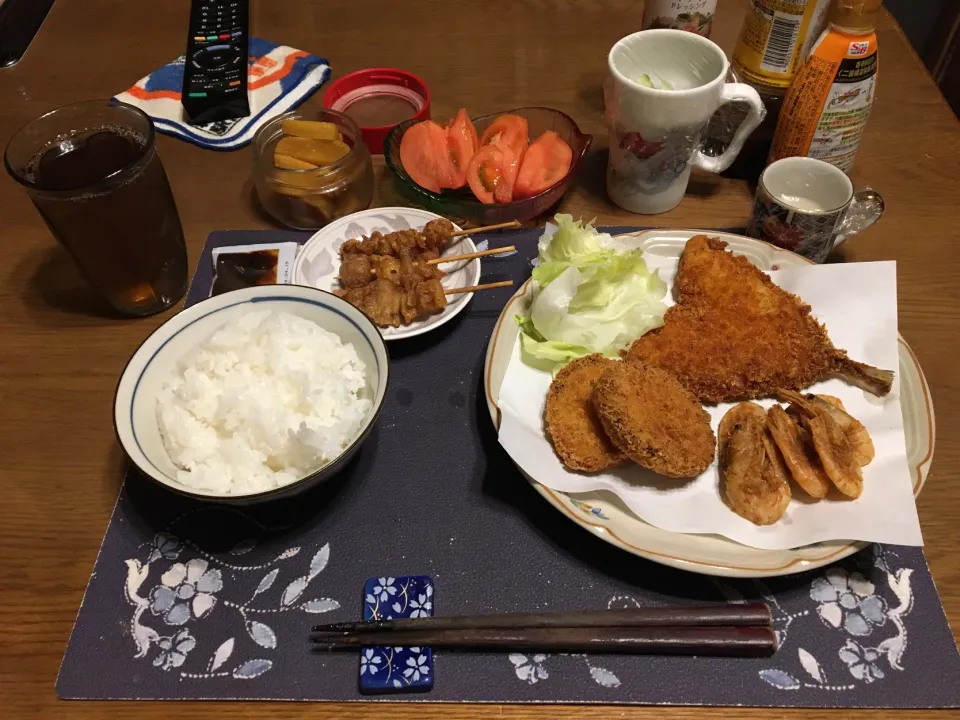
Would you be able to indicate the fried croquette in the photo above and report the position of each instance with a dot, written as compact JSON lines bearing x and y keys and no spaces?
{"x":572,"y":425}
{"x":654,"y":420}
{"x":735,"y":335}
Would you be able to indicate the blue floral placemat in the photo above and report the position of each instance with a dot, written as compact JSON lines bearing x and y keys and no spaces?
{"x":196,"y":601}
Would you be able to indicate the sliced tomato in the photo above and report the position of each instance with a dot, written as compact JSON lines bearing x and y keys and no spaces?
{"x":510,"y":169}
{"x":546,"y":162}
{"x":509,"y":133}
{"x":425,"y":157}
{"x":485,"y":172}
{"x":509,"y":130}
{"x":462,"y":143}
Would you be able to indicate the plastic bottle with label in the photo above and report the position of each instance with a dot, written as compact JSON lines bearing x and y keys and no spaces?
{"x":828,"y":103}
{"x":774,"y":36}
{"x":692,"y":15}
{"x":773,"y":39}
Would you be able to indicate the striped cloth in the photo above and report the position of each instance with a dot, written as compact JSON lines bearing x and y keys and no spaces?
{"x":279,"y":79}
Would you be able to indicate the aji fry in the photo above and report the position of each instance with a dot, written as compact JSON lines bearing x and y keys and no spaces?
{"x":734,"y":334}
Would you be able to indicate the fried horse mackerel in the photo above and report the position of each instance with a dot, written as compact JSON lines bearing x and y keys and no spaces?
{"x":735,"y":335}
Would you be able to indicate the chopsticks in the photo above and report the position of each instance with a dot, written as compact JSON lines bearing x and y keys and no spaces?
{"x":726,"y":641}
{"x":471,"y":256}
{"x":733,"y":630}
{"x":741,"y":614}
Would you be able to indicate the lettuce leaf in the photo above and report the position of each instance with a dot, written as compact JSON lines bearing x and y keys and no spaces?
{"x":543,"y":353}
{"x":588,"y":297}
{"x":572,"y":244}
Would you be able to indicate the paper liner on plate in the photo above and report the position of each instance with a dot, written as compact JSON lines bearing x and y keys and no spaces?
{"x":857,"y":302}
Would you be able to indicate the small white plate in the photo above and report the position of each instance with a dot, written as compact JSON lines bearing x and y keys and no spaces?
{"x":605,"y":516}
{"x":318,"y":263}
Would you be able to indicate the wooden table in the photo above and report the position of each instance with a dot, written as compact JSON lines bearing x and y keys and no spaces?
{"x":59,"y":362}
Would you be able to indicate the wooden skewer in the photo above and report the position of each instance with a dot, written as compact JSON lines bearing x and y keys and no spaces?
{"x":486,"y":228}
{"x":477,"y":288}
{"x":471,"y":256}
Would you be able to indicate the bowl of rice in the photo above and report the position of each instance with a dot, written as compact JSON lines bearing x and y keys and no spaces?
{"x":252,"y":395}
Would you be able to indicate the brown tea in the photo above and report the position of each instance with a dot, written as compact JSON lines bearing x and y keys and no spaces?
{"x":104,"y":195}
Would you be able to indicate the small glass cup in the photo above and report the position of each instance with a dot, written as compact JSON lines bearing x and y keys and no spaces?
{"x":93,"y":173}
{"x":309,"y":199}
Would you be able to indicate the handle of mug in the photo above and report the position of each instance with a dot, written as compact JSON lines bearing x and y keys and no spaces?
{"x":865,"y":209}
{"x":733,"y":92}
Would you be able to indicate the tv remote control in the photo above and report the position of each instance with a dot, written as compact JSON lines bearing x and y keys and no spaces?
{"x":215,"y":70}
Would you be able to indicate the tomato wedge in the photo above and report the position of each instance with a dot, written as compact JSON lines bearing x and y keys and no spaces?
{"x":546,"y":162}
{"x":510,"y":169}
{"x":485,"y":172}
{"x":509,"y":133}
{"x":462,"y":144}
{"x":425,"y":156}
{"x":510,"y":130}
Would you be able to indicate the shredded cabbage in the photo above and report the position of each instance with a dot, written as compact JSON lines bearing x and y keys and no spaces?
{"x":588,"y":297}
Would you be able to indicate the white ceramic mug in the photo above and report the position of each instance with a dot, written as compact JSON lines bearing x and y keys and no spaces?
{"x":655,"y":132}
{"x":809,"y":206}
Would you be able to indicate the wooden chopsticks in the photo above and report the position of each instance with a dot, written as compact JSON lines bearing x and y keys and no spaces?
{"x":734,"y":630}
{"x":753,"y":614}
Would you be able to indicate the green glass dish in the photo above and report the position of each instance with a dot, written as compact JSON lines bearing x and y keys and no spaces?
{"x":461,"y":204}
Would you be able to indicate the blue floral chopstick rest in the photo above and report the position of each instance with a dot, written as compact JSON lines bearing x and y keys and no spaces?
{"x":397,"y":669}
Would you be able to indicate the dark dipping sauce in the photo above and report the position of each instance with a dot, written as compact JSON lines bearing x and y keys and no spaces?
{"x":380,"y":110}
{"x":115,"y":216}
{"x":235,"y":271}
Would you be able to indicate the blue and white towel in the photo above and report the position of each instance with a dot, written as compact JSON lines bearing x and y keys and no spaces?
{"x":279,"y":79}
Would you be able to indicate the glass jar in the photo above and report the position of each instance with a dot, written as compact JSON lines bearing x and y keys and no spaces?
{"x":309,"y":199}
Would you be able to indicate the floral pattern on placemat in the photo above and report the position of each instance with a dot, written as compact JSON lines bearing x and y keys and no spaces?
{"x":851,"y":609}
{"x":856,"y":614}
{"x":187,"y":584}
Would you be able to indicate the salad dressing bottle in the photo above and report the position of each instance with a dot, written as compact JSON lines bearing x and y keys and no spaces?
{"x":695,"y":16}
{"x":826,"y":108}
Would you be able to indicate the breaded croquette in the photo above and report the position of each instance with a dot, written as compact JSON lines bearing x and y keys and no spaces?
{"x":571,"y":421}
{"x":652,"y":418}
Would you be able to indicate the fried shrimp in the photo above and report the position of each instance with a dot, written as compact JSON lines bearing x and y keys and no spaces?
{"x":571,"y":421}
{"x":861,"y":444}
{"x":830,"y":442}
{"x":796,"y":446}
{"x":755,"y":481}
{"x":654,"y":420}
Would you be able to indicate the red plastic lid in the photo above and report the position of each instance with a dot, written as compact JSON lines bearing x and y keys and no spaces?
{"x":377,"y":99}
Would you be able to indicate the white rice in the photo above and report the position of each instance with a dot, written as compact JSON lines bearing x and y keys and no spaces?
{"x":268,"y":399}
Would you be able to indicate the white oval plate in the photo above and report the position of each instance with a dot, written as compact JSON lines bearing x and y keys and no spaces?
{"x":606,"y":516}
{"x":318,"y":263}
